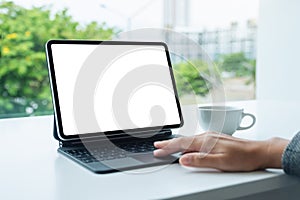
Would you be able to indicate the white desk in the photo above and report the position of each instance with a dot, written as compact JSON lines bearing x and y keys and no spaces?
{"x":32,"y":169}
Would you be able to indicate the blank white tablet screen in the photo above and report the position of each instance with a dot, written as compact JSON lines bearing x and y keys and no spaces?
{"x":68,"y":60}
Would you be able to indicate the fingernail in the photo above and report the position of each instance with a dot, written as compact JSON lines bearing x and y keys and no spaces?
{"x":159,"y":143}
{"x":156,"y":152}
{"x":186,"y":160}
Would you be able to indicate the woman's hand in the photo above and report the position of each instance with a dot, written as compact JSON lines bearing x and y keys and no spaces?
{"x":224,"y":152}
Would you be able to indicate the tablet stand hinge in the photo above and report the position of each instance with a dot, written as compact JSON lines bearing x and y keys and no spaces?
{"x":81,"y":142}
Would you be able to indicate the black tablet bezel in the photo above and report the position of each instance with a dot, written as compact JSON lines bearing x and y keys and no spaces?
{"x":56,"y":106}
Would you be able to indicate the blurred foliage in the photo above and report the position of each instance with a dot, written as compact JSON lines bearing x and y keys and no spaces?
{"x":23,"y":72}
{"x":238,"y":63}
{"x":189,"y":78}
{"x":195,"y":78}
{"x":251,"y":66}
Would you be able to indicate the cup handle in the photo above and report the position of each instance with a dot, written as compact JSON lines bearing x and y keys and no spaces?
{"x":253,"y":121}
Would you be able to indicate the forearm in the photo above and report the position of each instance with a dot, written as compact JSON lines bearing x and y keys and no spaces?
{"x":274,"y":151}
{"x":280,"y":153}
{"x":268,"y":153}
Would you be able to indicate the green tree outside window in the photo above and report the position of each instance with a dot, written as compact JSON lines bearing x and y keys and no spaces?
{"x":24,"y":79}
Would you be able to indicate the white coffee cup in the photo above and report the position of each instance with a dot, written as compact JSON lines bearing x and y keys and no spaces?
{"x":223,"y":119}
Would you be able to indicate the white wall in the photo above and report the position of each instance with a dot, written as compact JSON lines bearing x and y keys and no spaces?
{"x":278,"y":64}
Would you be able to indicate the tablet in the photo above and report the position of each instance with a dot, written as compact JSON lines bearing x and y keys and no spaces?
{"x":111,"y":88}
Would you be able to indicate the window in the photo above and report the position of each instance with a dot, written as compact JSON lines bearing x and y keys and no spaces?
{"x":226,"y":30}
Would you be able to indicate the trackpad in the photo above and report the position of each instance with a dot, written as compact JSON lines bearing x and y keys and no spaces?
{"x":122,"y":163}
{"x":149,"y":158}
